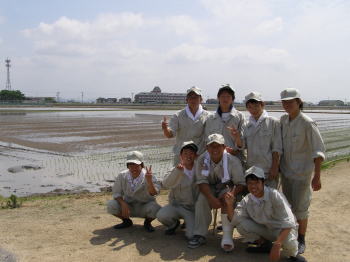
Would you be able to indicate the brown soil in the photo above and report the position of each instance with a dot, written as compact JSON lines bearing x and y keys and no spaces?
{"x":77,"y":228}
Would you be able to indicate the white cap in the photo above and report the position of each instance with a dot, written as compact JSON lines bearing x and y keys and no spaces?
{"x":134,"y":157}
{"x":216,"y":138}
{"x":195,"y":90}
{"x":253,"y":96}
{"x":289,"y":94}
{"x":256,"y":171}
{"x":189,"y":144}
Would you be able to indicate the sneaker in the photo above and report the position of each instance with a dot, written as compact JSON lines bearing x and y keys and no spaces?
{"x":301,"y":247}
{"x":297,"y":258}
{"x":263,"y":248}
{"x":171,"y":230}
{"x":196,"y":241}
{"x":148,"y":226}
{"x":127,"y":222}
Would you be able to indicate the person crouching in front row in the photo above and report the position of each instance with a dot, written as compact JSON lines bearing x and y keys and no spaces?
{"x":264,"y":219}
{"x":216,"y":171}
{"x":183,"y":192}
{"x":134,"y":193}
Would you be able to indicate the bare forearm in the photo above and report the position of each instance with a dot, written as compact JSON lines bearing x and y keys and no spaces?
{"x":205,"y":190}
{"x":151,"y":188}
{"x":318,"y":161}
{"x":282,"y":236}
{"x":167,"y":133}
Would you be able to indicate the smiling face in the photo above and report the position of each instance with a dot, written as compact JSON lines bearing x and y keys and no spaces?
{"x":255,"y":187}
{"x":215,"y":151}
{"x":134,"y":169}
{"x":188,"y":156}
{"x":255,"y":108}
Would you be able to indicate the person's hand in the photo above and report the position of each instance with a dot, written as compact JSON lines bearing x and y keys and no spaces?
{"x":214,"y":203}
{"x":273,"y":173}
{"x":316,"y":183}
{"x":229,"y":197}
{"x":275,"y":252}
{"x":234,"y":132}
{"x":125,"y":210}
{"x":165,"y":123}
{"x":180,"y":166}
{"x":148,"y":175}
{"x":231,"y":151}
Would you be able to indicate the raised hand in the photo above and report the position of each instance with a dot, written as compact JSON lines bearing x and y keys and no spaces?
{"x":165,"y":123}
{"x":180,"y":165}
{"x":149,"y":172}
{"x":229,"y":196}
{"x":233,"y":131}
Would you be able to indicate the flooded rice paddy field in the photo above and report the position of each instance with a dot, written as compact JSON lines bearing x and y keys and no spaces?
{"x":83,"y":150}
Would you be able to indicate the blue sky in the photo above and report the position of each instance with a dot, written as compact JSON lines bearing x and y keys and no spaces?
{"x":115,"y":48}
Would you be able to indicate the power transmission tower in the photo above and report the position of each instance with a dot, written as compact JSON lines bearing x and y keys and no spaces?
{"x":8,"y":82}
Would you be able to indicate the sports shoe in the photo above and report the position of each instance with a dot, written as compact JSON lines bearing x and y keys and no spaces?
{"x":147,"y":225}
{"x":196,"y":241}
{"x":297,"y":258}
{"x":301,"y":247}
{"x":171,"y":230}
{"x":127,"y":222}
{"x":263,"y":248}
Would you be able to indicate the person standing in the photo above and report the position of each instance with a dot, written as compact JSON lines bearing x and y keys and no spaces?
{"x":303,"y":153}
{"x":262,"y":139}
{"x":134,"y":192}
{"x":225,"y":119}
{"x":187,"y":124}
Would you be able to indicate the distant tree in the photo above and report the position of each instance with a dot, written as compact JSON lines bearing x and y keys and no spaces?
{"x":50,"y":100}
{"x":9,"y":95}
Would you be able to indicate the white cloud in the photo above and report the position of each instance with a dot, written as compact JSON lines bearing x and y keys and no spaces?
{"x":270,"y":26}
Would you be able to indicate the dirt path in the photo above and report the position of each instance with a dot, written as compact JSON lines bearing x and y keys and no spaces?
{"x":77,"y":228}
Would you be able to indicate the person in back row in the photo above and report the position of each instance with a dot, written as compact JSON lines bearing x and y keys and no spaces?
{"x":134,"y":193}
{"x":216,"y":172}
{"x":262,"y":138}
{"x":183,"y":192}
{"x":187,"y":124}
{"x":303,"y":153}
{"x":264,"y":219}
{"x":226,"y":119}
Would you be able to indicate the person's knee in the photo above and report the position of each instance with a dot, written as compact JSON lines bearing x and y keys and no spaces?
{"x":152,"y":209}
{"x":162,"y":215}
{"x":113,"y":207}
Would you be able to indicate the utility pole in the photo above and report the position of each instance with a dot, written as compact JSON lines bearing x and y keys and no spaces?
{"x":57,"y":96}
{"x":82,"y":97}
{"x":8,"y":82}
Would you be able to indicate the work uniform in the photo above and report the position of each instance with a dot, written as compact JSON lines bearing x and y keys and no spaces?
{"x":218,"y":124}
{"x":207,"y":172}
{"x":184,"y":128}
{"x":266,"y":217}
{"x":302,"y":143}
{"x":182,"y":196}
{"x":135,"y":193}
{"x":262,"y":138}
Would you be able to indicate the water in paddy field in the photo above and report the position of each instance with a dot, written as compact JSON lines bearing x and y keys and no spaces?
{"x":78,"y":150}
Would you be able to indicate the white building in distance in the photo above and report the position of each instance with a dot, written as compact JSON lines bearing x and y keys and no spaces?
{"x":157,"y":97}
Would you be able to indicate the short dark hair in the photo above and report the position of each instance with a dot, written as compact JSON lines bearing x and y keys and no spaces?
{"x":301,"y":104}
{"x":253,"y":177}
{"x":227,"y":89}
{"x":192,"y":147}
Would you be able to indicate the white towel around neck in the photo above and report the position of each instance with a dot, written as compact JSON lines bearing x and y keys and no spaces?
{"x":207,"y":161}
{"x":197,"y":115}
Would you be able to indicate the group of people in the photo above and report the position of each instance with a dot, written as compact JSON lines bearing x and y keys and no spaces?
{"x":223,"y":161}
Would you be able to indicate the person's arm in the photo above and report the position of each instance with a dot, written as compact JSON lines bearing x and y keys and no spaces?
{"x":124,"y":206}
{"x":230,"y":200}
{"x":316,"y":181}
{"x":165,"y":127}
{"x":173,"y":177}
{"x":149,"y":179}
{"x":275,"y":252}
{"x":213,"y":201}
{"x":274,"y":166}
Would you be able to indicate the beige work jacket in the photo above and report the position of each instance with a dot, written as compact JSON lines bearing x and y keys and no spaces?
{"x":185,"y":129}
{"x":273,"y":211}
{"x":122,"y":188}
{"x":183,"y":190}
{"x":302,"y":143}
{"x":262,"y":141}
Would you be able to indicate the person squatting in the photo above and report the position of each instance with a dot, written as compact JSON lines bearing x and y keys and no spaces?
{"x":225,"y":162}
